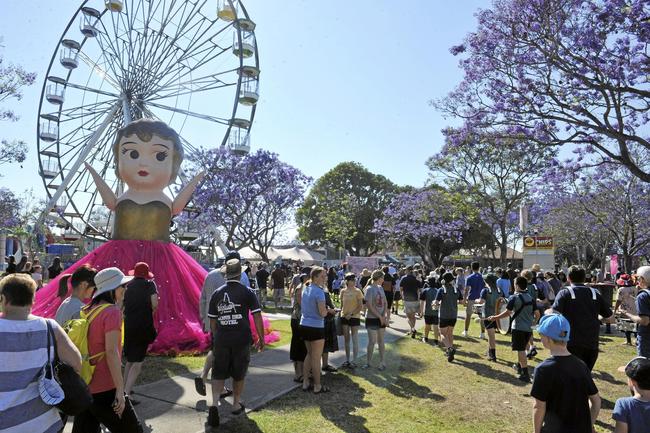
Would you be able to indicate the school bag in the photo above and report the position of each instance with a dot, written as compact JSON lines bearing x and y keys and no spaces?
{"x":77,"y":330}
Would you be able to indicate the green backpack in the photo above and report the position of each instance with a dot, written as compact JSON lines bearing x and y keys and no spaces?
{"x":77,"y":330}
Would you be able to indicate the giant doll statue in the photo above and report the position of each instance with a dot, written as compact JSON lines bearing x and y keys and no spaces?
{"x":148,"y":155}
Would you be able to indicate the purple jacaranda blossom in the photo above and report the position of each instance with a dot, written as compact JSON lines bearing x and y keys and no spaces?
{"x":429,"y":221}
{"x":574,"y":72}
{"x":248,"y":199}
{"x":601,"y":205}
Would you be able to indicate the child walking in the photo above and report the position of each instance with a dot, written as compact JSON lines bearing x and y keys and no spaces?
{"x":565,"y":396}
{"x":447,"y":300}
{"x":521,"y":307}
{"x":632,"y":414}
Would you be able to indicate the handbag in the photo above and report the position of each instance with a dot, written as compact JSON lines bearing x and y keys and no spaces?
{"x":338,"y":325}
{"x":48,"y":388}
{"x":77,"y":397}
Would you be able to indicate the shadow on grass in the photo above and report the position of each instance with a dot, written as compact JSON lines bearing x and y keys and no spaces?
{"x":240,"y":424}
{"x":606,"y":377}
{"x":337,"y":406}
{"x":488,"y":372}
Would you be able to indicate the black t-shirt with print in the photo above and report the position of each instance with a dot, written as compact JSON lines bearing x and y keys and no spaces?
{"x":229,"y":306}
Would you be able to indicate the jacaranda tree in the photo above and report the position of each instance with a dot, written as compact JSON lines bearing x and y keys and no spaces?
{"x":428,"y":222}
{"x":606,"y":203}
{"x":494,"y":174}
{"x":249,"y":199}
{"x":560,"y":72}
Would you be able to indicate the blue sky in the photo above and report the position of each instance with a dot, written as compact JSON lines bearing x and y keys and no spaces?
{"x":341,"y":80}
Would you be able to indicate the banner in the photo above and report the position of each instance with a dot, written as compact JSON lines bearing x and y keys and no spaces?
{"x":357,"y":264}
{"x":538,"y":242}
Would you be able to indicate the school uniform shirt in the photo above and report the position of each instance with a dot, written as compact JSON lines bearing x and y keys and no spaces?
{"x":448,"y":296}
{"x":565,"y":384}
{"x":633,"y":412}
{"x":229,"y":307}
{"x":582,"y":314}
{"x":532,"y":291}
{"x":490,"y":296}
{"x":643,"y":307}
{"x":524,"y":320}
{"x":476,"y":283}
{"x":429,"y":296}
{"x":69,"y":309}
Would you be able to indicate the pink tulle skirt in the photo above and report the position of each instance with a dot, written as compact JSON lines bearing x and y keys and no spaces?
{"x":179,"y":279}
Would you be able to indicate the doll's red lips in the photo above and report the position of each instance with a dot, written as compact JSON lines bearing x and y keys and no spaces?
{"x":143,"y":173}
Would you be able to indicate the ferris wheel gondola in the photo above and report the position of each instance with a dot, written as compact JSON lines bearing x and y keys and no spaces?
{"x":193,"y":64}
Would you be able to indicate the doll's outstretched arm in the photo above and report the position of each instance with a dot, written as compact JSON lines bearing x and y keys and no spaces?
{"x":186,"y":193}
{"x":108,"y":196}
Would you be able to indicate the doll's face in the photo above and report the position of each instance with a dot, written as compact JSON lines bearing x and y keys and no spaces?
{"x":145,"y":165}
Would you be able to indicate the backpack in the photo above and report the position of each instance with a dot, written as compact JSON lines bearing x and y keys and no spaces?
{"x":77,"y":330}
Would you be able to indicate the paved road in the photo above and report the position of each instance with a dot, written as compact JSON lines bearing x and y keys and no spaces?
{"x":172,"y":405}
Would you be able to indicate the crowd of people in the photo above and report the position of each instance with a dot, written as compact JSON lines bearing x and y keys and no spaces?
{"x":564,"y":307}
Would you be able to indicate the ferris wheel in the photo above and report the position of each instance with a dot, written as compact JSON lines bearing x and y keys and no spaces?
{"x":190,"y":63}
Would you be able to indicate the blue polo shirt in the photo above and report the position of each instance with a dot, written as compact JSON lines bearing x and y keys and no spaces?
{"x":504,"y":285}
{"x":476,"y":283}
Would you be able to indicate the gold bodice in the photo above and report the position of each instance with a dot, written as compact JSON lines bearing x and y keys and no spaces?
{"x":144,"y":222}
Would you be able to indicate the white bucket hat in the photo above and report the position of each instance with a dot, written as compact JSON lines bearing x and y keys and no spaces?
{"x":109,"y":279}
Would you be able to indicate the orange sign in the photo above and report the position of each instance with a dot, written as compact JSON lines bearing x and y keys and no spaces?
{"x":538,"y":242}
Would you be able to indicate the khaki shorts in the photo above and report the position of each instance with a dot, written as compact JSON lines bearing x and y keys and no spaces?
{"x":469,"y":308}
{"x":411,"y":307}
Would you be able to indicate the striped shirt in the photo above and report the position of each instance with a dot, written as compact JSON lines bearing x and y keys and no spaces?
{"x":23,"y":353}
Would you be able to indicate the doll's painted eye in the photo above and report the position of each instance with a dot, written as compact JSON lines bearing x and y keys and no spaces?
{"x":134,"y":154}
{"x":161,"y":156}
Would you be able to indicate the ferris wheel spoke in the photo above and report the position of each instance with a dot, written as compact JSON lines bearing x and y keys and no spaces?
{"x":170,"y":46}
{"x":185,"y":89}
{"x":111,"y":54}
{"x":78,"y":112}
{"x":99,"y":70}
{"x":186,"y":144}
{"x":92,"y":89}
{"x":188,"y":113}
{"x":182,"y":71}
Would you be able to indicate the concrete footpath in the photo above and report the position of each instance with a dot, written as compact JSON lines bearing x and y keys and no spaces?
{"x":172,"y":405}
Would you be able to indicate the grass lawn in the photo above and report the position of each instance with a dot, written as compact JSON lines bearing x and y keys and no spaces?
{"x":421,"y":392}
{"x":161,"y":367}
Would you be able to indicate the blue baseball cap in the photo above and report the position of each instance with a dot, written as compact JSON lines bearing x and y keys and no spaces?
{"x":554,"y":326}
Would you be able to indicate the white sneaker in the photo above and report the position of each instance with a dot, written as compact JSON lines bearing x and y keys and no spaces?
{"x":464,"y":333}
{"x":482,"y":336}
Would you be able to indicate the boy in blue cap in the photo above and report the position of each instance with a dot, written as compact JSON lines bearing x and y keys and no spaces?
{"x":566,"y":398}
{"x":632,"y":414}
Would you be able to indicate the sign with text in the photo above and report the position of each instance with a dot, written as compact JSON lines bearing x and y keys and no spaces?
{"x":538,"y":242}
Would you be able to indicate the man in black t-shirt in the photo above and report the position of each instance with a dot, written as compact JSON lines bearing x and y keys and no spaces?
{"x":140,"y":302}
{"x":262,"y":279}
{"x":410,"y":288}
{"x":231,"y":336}
{"x":582,"y":307}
